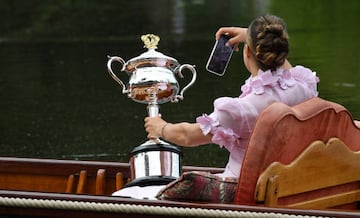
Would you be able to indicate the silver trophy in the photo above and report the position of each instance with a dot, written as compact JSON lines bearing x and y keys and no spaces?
{"x":152,"y":82}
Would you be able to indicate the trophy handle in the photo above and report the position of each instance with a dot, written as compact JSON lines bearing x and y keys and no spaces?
{"x":176,"y":98}
{"x":113,"y":75}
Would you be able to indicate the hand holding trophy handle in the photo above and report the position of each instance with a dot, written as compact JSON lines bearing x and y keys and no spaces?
{"x":113,"y":75}
{"x":176,"y":98}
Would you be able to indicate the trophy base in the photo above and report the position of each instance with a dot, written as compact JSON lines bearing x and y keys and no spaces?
{"x":154,"y":163}
{"x":150,"y":180}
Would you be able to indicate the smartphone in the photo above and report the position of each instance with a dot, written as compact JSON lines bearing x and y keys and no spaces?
{"x":220,"y":56}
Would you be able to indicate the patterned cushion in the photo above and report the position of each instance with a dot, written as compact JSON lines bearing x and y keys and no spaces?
{"x":200,"y":186}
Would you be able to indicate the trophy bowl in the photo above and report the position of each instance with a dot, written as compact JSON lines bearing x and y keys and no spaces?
{"x":152,"y":81}
{"x":152,"y":73}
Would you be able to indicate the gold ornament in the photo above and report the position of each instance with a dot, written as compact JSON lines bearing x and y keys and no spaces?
{"x":150,"y":41}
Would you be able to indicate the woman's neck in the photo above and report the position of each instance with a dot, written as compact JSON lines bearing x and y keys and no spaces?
{"x":254,"y":69}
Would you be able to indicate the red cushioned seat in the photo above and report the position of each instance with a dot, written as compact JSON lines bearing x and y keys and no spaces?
{"x":281,"y":133}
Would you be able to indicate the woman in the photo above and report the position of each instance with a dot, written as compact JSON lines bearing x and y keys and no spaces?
{"x":272,"y":79}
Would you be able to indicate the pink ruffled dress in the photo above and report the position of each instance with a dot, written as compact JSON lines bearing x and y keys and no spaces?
{"x":233,"y":119}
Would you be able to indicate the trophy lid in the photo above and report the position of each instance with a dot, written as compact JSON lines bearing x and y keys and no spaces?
{"x":150,"y":58}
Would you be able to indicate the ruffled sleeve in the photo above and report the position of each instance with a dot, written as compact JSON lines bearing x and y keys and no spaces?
{"x":232,"y":120}
{"x":219,"y":124}
{"x":221,"y":135}
{"x":207,"y":124}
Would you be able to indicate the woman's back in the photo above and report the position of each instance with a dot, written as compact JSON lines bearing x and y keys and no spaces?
{"x":237,"y":116}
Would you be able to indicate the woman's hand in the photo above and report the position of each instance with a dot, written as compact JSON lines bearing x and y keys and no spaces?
{"x":237,"y":34}
{"x":154,"y":127}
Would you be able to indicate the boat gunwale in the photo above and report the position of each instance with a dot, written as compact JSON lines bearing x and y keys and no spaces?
{"x":59,"y":197}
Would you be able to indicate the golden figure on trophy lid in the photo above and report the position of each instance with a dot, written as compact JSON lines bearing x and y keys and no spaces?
{"x":150,"y":41}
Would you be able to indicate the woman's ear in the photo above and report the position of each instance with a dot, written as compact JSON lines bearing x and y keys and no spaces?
{"x":249,"y":60}
{"x":247,"y":51}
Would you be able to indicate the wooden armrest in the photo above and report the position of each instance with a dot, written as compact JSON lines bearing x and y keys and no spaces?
{"x":319,"y":167}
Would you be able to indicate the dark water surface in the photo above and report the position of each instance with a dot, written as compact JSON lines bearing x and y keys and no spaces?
{"x":57,"y":100}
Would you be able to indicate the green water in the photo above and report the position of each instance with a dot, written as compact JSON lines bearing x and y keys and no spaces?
{"x":57,"y":100}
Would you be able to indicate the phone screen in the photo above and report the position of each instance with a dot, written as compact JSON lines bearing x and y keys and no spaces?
{"x":220,"y":56}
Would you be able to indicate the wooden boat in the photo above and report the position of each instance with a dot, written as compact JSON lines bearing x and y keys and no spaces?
{"x":300,"y":161}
